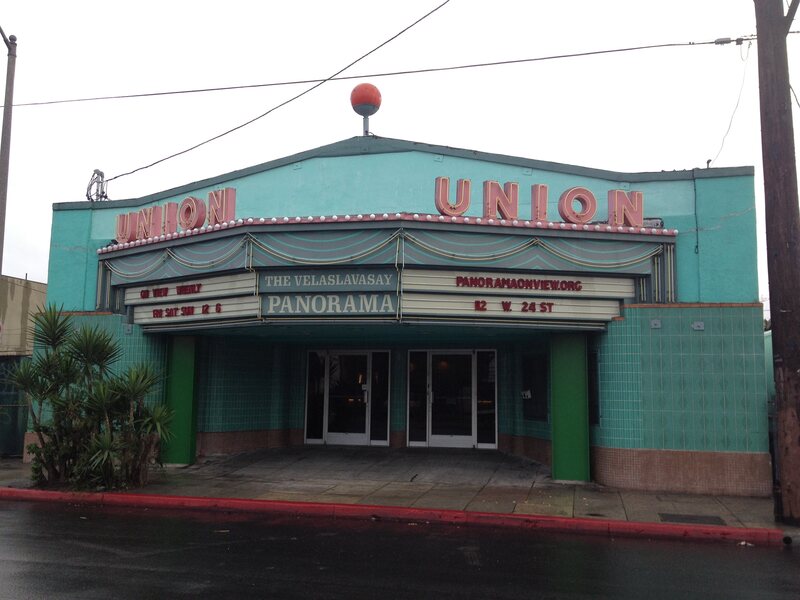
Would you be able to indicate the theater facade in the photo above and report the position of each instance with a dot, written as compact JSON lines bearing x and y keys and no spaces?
{"x":380,"y":292}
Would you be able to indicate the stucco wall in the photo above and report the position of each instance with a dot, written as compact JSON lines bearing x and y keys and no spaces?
{"x":19,"y":299}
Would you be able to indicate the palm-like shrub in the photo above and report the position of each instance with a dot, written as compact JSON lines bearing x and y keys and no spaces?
{"x":93,"y":427}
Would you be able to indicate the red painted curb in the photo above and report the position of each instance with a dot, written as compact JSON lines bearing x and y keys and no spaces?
{"x":605,"y":527}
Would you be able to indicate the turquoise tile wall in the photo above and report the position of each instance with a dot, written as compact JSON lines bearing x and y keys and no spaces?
{"x":669,"y":388}
{"x":619,"y":378}
{"x":508,"y":380}
{"x":511,"y":420}
{"x":398,"y":394}
{"x":679,"y":387}
{"x":240,"y":385}
{"x":250,"y":384}
{"x":137,"y":348}
{"x":295,"y":387}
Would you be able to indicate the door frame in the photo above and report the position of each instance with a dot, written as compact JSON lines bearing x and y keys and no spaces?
{"x":452,"y":441}
{"x":347,"y":439}
{"x":440,"y":441}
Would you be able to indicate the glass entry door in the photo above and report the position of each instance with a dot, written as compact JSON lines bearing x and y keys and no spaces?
{"x":347,"y":398}
{"x":452,"y":398}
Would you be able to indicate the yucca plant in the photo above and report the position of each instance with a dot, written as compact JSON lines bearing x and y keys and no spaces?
{"x":99,"y":464}
{"x":94,"y":350}
{"x":93,"y":426}
{"x":141,"y":442}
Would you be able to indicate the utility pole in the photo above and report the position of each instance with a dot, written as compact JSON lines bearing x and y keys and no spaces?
{"x":5,"y":140}
{"x":783,"y":245}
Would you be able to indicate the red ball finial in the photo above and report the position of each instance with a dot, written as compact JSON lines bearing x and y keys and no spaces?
{"x":365,"y":99}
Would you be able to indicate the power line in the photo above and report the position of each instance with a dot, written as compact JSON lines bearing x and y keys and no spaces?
{"x":285,"y":102}
{"x":335,"y":77}
{"x":736,"y":106}
{"x":796,"y":101}
{"x":718,"y":41}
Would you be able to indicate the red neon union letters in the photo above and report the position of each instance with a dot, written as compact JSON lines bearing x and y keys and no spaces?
{"x":625,"y":208}
{"x":585,"y":198}
{"x":503,"y":201}
{"x":442,"y":197}
{"x":221,"y":206}
{"x":539,"y":202}
{"x":191,"y":213}
{"x":154,"y":221}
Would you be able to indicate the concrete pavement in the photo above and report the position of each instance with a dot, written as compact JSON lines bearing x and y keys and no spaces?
{"x":443,"y":479}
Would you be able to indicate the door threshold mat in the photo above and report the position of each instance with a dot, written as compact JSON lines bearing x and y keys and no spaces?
{"x":693,"y":519}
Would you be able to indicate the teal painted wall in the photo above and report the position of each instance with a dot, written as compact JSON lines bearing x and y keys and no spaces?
{"x":676,"y":388}
{"x":72,"y":270}
{"x":716,"y":250}
{"x":376,"y":183}
{"x":719,"y":271}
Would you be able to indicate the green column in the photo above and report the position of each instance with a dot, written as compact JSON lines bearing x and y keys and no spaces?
{"x":569,"y":392}
{"x":180,"y":398}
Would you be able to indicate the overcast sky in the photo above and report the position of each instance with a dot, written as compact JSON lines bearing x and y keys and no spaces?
{"x":649,"y":110}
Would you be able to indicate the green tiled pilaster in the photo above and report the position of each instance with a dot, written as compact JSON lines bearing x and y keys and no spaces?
{"x":181,"y":400}
{"x":569,"y":406}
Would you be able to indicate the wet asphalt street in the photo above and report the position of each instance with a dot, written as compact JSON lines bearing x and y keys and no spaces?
{"x":52,"y":551}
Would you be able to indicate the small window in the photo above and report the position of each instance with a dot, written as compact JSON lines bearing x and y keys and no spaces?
{"x":535,"y":386}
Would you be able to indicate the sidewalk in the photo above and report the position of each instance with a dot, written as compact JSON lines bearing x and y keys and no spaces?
{"x":466,"y":481}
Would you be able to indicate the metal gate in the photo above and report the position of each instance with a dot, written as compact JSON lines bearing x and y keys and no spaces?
{"x":13,"y":411}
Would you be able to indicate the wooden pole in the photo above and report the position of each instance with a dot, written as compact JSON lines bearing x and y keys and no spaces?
{"x":783,"y":245}
{"x":5,"y":137}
